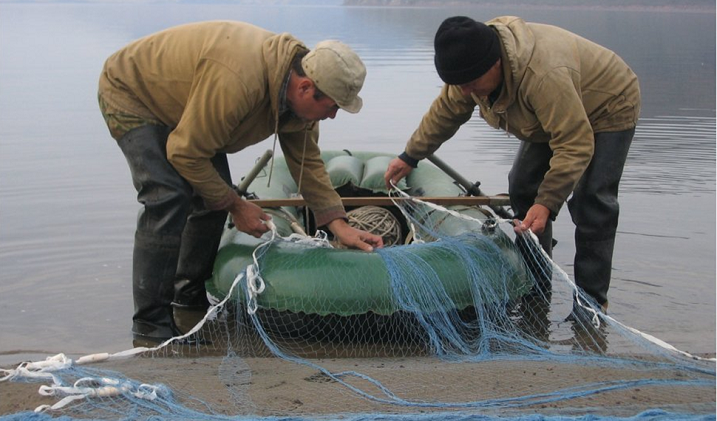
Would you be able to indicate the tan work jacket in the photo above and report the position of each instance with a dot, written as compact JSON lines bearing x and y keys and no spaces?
{"x":217,"y":85}
{"x":558,"y":88}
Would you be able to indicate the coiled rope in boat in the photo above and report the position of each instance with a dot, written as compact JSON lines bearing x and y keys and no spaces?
{"x":376,"y":220}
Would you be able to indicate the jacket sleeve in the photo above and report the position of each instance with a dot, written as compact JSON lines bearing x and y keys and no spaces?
{"x":210,"y":116}
{"x":310,"y":174}
{"x":572,"y":141}
{"x":448,"y":112}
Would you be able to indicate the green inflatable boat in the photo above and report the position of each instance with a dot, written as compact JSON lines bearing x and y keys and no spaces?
{"x":337,"y":282}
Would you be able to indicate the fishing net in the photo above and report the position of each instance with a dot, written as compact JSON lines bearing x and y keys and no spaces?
{"x":466,"y":322}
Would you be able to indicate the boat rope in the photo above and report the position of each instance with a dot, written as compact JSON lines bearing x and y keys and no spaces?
{"x":378,"y":221}
{"x":303,"y":158}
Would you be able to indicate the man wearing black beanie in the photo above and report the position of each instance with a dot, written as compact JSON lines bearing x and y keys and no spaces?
{"x":465,"y":50}
{"x":574,"y":106}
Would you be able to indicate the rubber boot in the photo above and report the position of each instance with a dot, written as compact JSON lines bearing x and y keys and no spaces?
{"x":153,"y":273}
{"x":595,"y":211}
{"x":200,"y":241}
{"x":165,"y":197}
{"x":593,"y":266}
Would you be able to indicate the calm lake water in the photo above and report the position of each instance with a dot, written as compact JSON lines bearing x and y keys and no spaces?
{"x":67,"y":206}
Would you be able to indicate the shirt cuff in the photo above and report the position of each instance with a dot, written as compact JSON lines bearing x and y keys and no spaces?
{"x":223,"y":204}
{"x":412,"y":162}
{"x":323,"y":218}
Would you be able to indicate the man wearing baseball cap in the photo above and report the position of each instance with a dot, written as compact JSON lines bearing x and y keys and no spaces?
{"x":177,"y":102}
{"x":574,"y":106}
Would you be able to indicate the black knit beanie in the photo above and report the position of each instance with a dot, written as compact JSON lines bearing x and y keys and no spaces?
{"x":465,"y":50}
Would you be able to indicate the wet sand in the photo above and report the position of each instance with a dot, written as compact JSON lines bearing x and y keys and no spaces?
{"x":273,"y":387}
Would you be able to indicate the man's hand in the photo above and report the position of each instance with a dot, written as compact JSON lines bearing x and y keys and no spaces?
{"x":535,"y":220}
{"x":248,"y":217}
{"x":353,"y":237}
{"x":397,"y":169}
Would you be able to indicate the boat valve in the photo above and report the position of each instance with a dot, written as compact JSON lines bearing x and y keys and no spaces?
{"x":489,"y":226}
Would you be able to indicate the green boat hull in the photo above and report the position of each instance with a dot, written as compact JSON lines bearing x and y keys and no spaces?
{"x":326,"y":281}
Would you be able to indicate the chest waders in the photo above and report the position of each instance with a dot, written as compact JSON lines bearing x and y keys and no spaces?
{"x":176,"y":237}
{"x":593,"y":206}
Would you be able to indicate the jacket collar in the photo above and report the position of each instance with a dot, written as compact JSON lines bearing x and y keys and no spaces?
{"x":279,"y":51}
{"x":517,"y":44}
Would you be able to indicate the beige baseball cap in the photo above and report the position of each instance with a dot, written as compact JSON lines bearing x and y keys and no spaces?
{"x":338,"y":72}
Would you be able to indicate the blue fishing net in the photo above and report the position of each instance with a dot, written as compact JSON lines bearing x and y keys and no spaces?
{"x":470,"y":323}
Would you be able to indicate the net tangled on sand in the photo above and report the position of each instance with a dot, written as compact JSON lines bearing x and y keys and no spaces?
{"x":497,"y":352}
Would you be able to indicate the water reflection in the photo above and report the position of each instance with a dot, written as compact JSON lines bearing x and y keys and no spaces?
{"x":67,"y":206}
{"x":673,"y":154}
{"x":669,"y":154}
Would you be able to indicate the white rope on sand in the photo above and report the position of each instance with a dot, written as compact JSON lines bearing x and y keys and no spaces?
{"x":90,"y":387}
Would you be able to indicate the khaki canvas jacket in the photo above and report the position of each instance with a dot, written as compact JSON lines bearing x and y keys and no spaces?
{"x":558,"y":88}
{"x":217,"y":84}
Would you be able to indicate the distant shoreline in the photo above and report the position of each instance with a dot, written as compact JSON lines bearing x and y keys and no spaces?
{"x":678,"y":6}
{"x":688,"y":6}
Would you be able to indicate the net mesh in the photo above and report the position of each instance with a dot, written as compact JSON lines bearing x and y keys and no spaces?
{"x":481,"y":326}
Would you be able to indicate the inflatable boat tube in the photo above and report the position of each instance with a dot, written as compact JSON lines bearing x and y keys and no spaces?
{"x":323,"y":281}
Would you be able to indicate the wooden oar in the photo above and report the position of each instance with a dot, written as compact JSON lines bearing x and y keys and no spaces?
{"x":387,"y":201}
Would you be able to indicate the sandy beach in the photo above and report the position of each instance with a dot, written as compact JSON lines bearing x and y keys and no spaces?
{"x":273,"y":387}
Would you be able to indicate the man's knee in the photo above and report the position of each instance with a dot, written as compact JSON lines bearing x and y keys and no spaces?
{"x":166,"y":197}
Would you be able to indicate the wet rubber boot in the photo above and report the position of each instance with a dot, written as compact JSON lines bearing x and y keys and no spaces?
{"x":593,"y":267}
{"x":200,"y":241}
{"x":153,"y":274}
{"x":595,"y":211}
